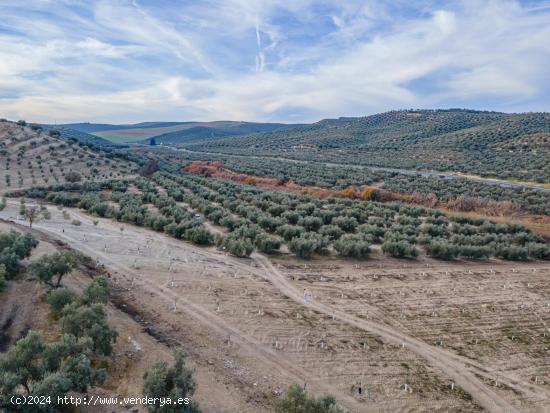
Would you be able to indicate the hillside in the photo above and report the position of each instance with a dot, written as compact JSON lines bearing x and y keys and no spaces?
{"x":173,"y":132}
{"x":216,"y":130}
{"x":31,"y":157}
{"x":484,"y":143}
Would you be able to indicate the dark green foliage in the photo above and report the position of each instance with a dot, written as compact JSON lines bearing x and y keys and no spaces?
{"x":484,"y":143}
{"x":32,"y":367}
{"x":89,"y":321}
{"x":174,"y":382}
{"x":240,"y":247}
{"x":512,"y":253}
{"x":352,"y":245}
{"x":58,"y":298}
{"x":332,"y":232}
{"x":303,"y":246}
{"x":199,"y":235}
{"x":296,"y":400}
{"x":399,"y":249}
{"x":52,"y":266}
{"x":96,"y":292}
{"x":2,"y":277}
{"x":267,"y":243}
{"x":15,"y":247}
{"x":442,"y":249}
{"x":540,"y":251}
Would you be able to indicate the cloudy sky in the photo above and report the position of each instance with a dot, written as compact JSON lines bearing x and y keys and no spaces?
{"x":265,"y":60}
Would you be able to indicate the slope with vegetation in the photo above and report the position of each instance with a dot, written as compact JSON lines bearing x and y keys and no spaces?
{"x":255,"y":218}
{"x":484,"y":143}
{"x":30,"y":156}
{"x":171,"y":132}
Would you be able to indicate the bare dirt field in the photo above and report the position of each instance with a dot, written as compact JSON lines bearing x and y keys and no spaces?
{"x":381,"y":335}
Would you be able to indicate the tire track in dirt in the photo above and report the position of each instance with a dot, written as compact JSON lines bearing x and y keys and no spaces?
{"x":463,"y":377}
{"x":273,"y":361}
{"x":460,"y":369}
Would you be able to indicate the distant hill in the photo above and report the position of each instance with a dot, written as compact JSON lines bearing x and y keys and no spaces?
{"x":484,"y":143}
{"x":99,"y":127}
{"x":172,"y":132}
{"x":68,"y":133}
{"x":196,"y":131}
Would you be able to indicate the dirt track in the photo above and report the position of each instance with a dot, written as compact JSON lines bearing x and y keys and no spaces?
{"x":138,"y":257}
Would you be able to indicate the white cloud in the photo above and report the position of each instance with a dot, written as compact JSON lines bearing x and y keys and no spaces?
{"x":267,"y":60}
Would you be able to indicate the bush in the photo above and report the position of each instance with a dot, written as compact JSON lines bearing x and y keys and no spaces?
{"x":474,"y":251}
{"x":303,"y":247}
{"x":512,"y":253}
{"x":267,"y":244}
{"x":2,"y":278}
{"x":33,"y":367}
{"x":399,"y":249}
{"x":96,"y":292}
{"x":58,"y":298}
{"x":161,"y":382}
{"x":73,"y":176}
{"x":352,"y":245}
{"x":239,"y":247}
{"x":442,"y":250}
{"x":54,"y":265}
{"x":289,"y":232}
{"x":296,"y":400}
{"x":540,"y":251}
{"x":332,"y":232}
{"x":199,"y":235}
{"x":89,"y":321}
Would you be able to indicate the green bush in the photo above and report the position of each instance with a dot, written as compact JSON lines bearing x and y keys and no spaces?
{"x":296,"y":400}
{"x":302,"y":246}
{"x":58,"y":298}
{"x":442,"y":250}
{"x":352,"y":245}
{"x":399,"y":249}
{"x":162,"y":381}
{"x":267,"y":244}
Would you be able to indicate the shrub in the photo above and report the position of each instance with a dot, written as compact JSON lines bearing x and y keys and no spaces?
{"x":96,"y":292}
{"x":474,"y":251}
{"x":540,"y":251}
{"x":73,"y":176}
{"x":240,"y":247}
{"x":267,"y":244}
{"x":2,"y":277}
{"x":58,"y":298}
{"x":352,"y":245}
{"x":512,"y":253}
{"x":332,"y":232}
{"x":441,"y":249}
{"x":54,"y":265}
{"x":399,"y":249}
{"x":296,"y":400}
{"x":348,"y":224}
{"x":289,"y":232}
{"x":161,"y":382}
{"x":89,"y":321}
{"x":302,"y":246}
{"x":199,"y":235}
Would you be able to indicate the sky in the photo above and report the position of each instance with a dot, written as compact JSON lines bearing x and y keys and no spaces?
{"x":120,"y":61}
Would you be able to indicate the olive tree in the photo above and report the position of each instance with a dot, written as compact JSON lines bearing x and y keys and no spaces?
{"x":53,"y":265}
{"x":174,"y":382}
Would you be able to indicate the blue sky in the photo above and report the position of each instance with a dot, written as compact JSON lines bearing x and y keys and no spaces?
{"x":263,"y":60}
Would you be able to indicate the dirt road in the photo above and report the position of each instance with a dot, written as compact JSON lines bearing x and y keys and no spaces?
{"x":465,"y":373}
